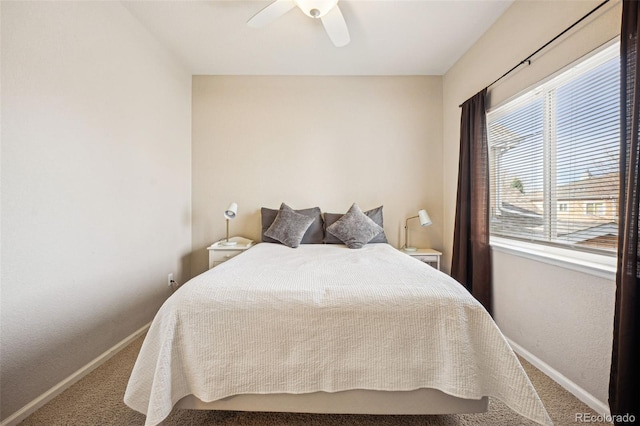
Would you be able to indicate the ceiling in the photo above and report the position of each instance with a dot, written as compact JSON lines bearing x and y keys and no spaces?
{"x":388,"y":37}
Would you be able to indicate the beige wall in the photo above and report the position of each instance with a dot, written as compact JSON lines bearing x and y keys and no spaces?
{"x":96,"y":182}
{"x":547,"y":310}
{"x":315,"y":141}
{"x":563,"y":317}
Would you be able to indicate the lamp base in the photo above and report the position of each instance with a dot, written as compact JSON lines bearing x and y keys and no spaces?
{"x":228,"y":243}
{"x":410,"y":249}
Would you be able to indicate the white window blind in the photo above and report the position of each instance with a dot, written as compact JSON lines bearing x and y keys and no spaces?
{"x":554,"y":158}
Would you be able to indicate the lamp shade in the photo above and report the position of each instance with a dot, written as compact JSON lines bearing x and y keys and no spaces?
{"x":231,"y":211}
{"x":425,"y":220}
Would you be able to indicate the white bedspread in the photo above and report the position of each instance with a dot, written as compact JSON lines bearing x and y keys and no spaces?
{"x":324,"y":318}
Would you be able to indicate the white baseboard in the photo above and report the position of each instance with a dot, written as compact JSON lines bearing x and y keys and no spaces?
{"x":31,"y":407}
{"x":584,"y":396}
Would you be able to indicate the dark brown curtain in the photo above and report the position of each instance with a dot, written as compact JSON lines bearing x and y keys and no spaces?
{"x":624,"y":384}
{"x":471,"y":263}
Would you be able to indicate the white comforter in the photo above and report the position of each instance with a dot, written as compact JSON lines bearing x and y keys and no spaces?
{"x":324,"y":318}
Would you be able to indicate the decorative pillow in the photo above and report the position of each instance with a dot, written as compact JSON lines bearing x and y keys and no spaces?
{"x":355,"y":228}
{"x":314,"y":234}
{"x":373,"y":214}
{"x":289,"y":227}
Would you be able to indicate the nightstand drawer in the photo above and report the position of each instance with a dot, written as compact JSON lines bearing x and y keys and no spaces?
{"x":220,"y":252}
{"x":430,"y":256}
{"x":427,"y":258}
{"x":219,"y":256}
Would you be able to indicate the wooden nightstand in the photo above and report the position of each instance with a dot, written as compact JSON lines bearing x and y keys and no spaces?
{"x":219,"y":253}
{"x":430,"y":256}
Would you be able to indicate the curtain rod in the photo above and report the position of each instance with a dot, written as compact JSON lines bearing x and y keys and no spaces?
{"x":527,"y":60}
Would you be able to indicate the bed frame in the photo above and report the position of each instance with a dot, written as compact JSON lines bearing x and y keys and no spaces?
{"x":360,"y":401}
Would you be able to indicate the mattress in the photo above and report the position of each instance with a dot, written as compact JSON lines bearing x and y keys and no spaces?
{"x":324,"y":318}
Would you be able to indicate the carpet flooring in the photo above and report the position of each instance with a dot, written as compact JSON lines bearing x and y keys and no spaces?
{"x":97,"y":400}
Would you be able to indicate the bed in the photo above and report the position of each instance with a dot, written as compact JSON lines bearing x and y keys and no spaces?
{"x":322,"y":328}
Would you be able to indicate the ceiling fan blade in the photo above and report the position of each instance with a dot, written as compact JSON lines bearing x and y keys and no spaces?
{"x":271,"y":13}
{"x":336,"y":27}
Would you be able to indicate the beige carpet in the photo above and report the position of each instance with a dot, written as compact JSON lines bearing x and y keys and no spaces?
{"x":97,"y":400}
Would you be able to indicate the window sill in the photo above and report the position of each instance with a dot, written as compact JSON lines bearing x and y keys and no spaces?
{"x":588,"y":263}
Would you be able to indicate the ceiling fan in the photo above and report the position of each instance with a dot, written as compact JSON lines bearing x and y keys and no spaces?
{"x":325,"y":10}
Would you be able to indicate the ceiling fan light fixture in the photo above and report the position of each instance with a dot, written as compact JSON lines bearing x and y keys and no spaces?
{"x":326,"y":10}
{"x":316,"y":8}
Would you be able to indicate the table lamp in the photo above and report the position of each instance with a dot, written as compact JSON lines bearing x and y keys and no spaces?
{"x":425,"y":220}
{"x":230,"y":213}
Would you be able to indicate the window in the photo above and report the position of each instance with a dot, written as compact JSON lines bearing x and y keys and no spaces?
{"x":554,"y":159}
{"x":594,"y":209}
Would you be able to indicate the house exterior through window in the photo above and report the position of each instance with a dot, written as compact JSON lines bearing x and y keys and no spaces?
{"x":554,"y":154}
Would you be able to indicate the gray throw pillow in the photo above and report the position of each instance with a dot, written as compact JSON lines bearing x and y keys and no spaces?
{"x":355,"y":228}
{"x":314,"y":234}
{"x":289,"y":227}
{"x":373,"y":214}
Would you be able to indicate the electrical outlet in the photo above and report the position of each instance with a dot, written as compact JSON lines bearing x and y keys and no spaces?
{"x":170,"y":280}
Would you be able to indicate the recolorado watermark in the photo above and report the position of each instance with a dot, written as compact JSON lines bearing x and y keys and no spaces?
{"x":608,"y":418}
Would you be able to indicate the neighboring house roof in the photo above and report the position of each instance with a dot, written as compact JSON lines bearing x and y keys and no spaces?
{"x":504,"y":138}
{"x":601,"y":187}
{"x":591,"y":187}
{"x":518,"y":203}
{"x":592,"y":232}
{"x":514,"y":210}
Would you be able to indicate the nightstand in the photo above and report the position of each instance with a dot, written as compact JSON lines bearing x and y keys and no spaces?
{"x":430,"y":256}
{"x":220,"y":253}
